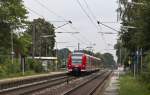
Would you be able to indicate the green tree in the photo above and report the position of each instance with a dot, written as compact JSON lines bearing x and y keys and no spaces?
{"x":108,"y":59}
{"x":44,"y":37}
{"x":137,"y":14}
{"x":12,"y":14}
{"x":62,"y":55}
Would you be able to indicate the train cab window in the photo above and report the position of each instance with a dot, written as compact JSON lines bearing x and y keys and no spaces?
{"x":77,"y":58}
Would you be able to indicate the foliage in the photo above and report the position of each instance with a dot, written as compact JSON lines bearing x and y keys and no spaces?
{"x":145,"y":74}
{"x":88,"y":52}
{"x":8,"y":68}
{"x":137,"y":14}
{"x":12,"y":20}
{"x":12,"y":14}
{"x":24,"y":44}
{"x":12,"y":11}
{"x":108,"y":59}
{"x":62,"y":55}
{"x":43,"y":37}
{"x":98,"y":54}
{"x":131,"y":86}
{"x":35,"y":65}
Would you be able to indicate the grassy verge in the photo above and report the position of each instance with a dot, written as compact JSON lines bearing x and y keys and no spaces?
{"x":130,"y":86}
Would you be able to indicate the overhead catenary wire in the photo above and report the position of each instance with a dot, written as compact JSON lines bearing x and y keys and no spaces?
{"x":91,"y":20}
{"x":36,"y":13}
{"x":33,"y":11}
{"x":76,"y":38}
{"x":50,"y":11}
{"x":94,"y":17}
{"x":54,"y":13}
{"x":75,"y":29}
{"x":98,"y":22}
{"x":88,"y":7}
{"x":90,"y":17}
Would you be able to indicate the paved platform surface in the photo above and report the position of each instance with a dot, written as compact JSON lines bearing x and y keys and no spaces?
{"x":113,"y":86}
{"x":30,"y":76}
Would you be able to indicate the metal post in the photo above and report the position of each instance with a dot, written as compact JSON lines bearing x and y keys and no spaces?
{"x":137,"y":64}
{"x":120,"y":55}
{"x":12,"y":46}
{"x":141,"y":59}
{"x":40,"y":46}
{"x":78,"y":46}
{"x":66,"y":59}
{"x":23,"y":63}
{"x":33,"y":41}
{"x":134,"y":69}
{"x":56,"y":56}
{"x":45,"y":48}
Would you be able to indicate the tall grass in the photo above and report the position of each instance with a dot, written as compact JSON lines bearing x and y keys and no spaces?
{"x":131,"y":86}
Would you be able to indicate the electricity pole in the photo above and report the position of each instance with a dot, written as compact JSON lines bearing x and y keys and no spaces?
{"x":12,"y":45}
{"x":33,"y":40}
{"x":78,"y":46}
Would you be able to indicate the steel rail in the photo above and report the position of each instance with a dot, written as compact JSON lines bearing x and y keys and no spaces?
{"x":14,"y":86}
{"x":79,"y":88}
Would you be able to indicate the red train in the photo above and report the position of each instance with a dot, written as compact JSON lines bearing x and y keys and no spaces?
{"x":80,"y":62}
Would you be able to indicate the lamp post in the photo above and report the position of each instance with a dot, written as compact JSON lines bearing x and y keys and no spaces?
{"x":68,"y":22}
{"x":68,"y":32}
{"x":107,"y":33}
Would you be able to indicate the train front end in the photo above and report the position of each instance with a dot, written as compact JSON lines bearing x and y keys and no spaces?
{"x":76,"y":63}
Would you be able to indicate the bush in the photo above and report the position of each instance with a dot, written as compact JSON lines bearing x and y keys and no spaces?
{"x":131,"y":86}
{"x":35,"y":65}
{"x":145,"y":74}
{"x":7,"y":68}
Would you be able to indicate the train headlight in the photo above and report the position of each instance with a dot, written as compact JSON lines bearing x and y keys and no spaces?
{"x":83,"y":66}
{"x":69,"y":65}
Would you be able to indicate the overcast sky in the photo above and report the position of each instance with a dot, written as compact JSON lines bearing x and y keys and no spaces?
{"x":58,"y":10}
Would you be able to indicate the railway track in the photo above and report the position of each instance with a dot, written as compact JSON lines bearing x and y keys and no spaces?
{"x":76,"y":84}
{"x":90,"y":86}
{"x":28,"y":85}
{"x":58,"y":85}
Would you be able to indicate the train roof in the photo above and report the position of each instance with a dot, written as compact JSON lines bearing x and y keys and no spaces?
{"x":80,"y":52}
{"x":93,"y":57}
{"x":44,"y":58}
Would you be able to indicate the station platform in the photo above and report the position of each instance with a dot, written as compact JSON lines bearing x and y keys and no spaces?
{"x":113,"y":86}
{"x":31,"y":76}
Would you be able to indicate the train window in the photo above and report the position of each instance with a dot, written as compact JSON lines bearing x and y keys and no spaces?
{"x":77,"y":54}
{"x":77,"y":58}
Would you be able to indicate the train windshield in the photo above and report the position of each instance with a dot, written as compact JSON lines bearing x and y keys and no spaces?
{"x":77,"y":58}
